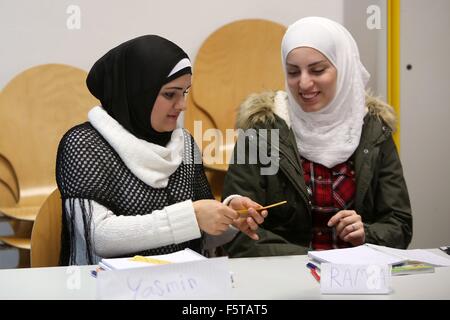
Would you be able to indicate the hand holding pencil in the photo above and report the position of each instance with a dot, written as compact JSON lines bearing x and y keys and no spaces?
{"x":252,"y":215}
{"x":244,"y":212}
{"x":249,"y":221}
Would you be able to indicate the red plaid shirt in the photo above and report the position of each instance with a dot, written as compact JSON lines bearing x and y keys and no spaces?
{"x":330,"y":190}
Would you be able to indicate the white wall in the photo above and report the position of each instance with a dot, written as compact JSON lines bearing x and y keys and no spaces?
{"x":35,"y":32}
{"x":371,"y":41}
{"x":425,"y":117}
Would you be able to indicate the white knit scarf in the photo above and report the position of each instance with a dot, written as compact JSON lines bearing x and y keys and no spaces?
{"x":331,"y":135}
{"x":151,"y":163}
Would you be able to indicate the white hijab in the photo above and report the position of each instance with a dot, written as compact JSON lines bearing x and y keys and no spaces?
{"x":151,"y":163}
{"x":331,"y":135}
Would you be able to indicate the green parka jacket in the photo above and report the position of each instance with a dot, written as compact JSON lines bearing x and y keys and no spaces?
{"x":381,"y":194}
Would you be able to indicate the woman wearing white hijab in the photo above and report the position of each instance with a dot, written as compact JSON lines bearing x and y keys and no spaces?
{"x":339,"y":169}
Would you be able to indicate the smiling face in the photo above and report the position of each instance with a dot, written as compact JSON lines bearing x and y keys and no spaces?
{"x":311,"y":78}
{"x":170,"y":102}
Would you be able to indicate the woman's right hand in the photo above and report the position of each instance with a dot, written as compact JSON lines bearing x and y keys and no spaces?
{"x":248,"y":224}
{"x":213,"y":217}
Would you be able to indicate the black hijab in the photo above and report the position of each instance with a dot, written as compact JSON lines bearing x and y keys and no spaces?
{"x":128,"y":78}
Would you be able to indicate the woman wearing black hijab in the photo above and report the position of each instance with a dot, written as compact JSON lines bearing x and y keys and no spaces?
{"x":131,"y":182}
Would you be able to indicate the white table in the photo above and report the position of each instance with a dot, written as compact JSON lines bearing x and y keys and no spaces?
{"x":265,"y":278}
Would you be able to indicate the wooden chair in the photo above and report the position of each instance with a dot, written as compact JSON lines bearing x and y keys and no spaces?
{"x":36,"y":108}
{"x":46,"y":234}
{"x":20,"y":228}
{"x":240,"y":58}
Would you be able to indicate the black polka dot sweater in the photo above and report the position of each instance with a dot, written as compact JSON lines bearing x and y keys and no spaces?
{"x":109,"y":211}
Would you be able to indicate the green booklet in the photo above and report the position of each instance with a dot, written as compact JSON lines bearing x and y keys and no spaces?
{"x":412,"y":268}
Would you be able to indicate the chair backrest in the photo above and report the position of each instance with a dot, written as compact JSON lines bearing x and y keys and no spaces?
{"x":9,"y":186}
{"x":238,"y":59}
{"x":36,"y":108}
{"x":46,"y":234}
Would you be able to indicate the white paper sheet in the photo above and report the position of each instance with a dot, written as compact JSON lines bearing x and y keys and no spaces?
{"x":356,"y":255}
{"x":355,"y":279}
{"x":419,"y":255}
{"x":175,"y":257}
{"x":202,"y":279}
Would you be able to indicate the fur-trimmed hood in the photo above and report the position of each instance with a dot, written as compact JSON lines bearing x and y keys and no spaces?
{"x":262,"y":107}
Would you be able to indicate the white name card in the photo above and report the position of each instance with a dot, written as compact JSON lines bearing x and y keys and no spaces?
{"x":355,"y":279}
{"x":202,"y":279}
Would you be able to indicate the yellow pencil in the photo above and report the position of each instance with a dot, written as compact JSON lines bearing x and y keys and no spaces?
{"x":245,"y":211}
{"x":149,"y":260}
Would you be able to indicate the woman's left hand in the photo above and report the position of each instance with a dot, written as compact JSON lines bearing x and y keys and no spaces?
{"x":248,"y":224}
{"x":349,"y":227}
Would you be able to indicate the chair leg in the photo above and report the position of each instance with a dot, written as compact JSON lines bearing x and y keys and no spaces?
{"x":23,"y":229}
{"x":24,"y":259}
